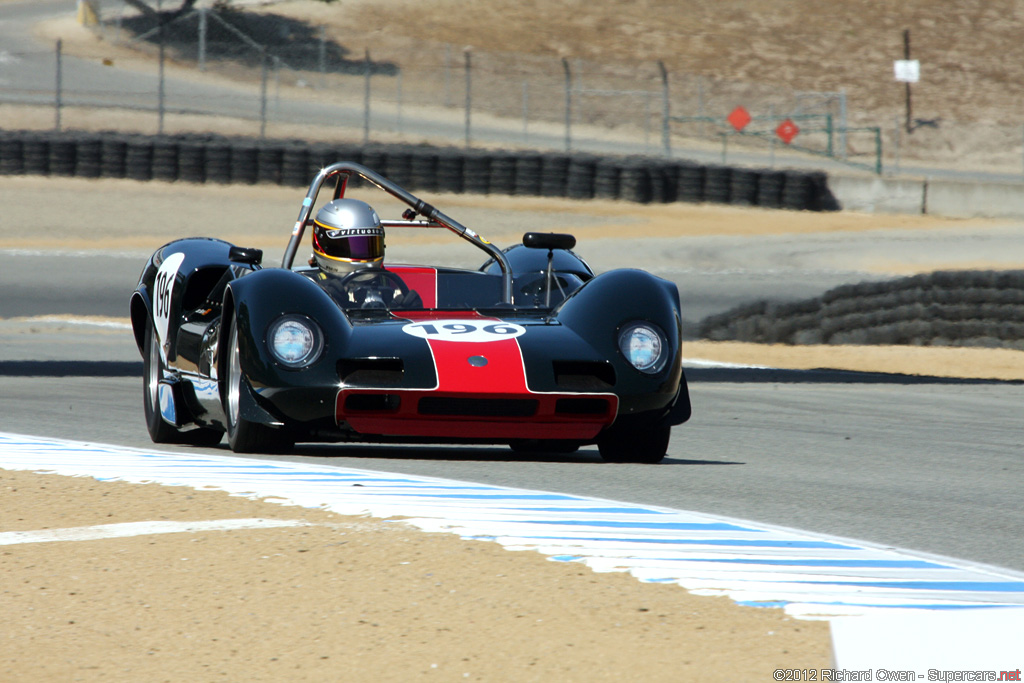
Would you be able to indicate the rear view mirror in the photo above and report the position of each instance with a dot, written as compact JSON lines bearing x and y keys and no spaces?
{"x":548,"y":240}
{"x":248,"y":255}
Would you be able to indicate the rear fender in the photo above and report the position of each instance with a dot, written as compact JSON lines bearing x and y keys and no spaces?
{"x":179,"y":277}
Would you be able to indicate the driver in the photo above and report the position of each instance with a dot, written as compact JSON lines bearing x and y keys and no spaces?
{"x":348,"y":247}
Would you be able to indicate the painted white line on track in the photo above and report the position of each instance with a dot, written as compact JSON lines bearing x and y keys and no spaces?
{"x":85,"y":321}
{"x":130,"y":529}
{"x":702,"y":363}
{"x":809,"y":575}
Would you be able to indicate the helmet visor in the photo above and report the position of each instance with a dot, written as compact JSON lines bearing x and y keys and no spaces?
{"x":359,"y":244}
{"x":362,"y":248}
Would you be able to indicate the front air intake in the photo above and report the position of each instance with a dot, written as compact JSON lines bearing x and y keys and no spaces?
{"x":581,"y":406}
{"x":575,"y":375}
{"x":477,"y":407}
{"x":372,"y":403}
{"x":371,"y":372}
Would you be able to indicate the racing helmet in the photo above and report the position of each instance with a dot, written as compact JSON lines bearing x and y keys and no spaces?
{"x":347,"y":236}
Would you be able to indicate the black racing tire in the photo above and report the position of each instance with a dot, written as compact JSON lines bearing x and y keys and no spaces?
{"x":152,"y":373}
{"x":294,"y":162}
{"x":503,"y":174}
{"x":528,"y":165}
{"x":641,"y":445}
{"x":245,"y":436}
{"x":269,"y":160}
{"x":160,"y":431}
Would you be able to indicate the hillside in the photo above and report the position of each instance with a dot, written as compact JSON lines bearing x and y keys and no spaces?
{"x":970,"y":51}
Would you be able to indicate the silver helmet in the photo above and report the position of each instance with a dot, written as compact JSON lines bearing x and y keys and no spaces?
{"x":347,"y":236}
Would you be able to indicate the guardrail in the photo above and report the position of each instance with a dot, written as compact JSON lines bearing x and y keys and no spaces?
{"x":207,"y":158}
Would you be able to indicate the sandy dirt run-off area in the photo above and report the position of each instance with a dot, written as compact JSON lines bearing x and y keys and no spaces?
{"x":345,"y":599}
{"x":355,"y":598}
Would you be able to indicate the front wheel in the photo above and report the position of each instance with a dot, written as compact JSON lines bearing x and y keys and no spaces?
{"x":245,"y":436}
{"x":152,"y":373}
{"x":643,"y":445}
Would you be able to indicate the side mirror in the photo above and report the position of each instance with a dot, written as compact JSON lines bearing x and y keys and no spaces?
{"x":250,"y":256}
{"x":548,"y":240}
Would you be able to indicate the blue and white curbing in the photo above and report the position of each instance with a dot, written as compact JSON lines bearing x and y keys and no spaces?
{"x":810,"y":576}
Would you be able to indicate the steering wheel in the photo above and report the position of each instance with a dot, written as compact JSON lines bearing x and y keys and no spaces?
{"x":373,"y":288}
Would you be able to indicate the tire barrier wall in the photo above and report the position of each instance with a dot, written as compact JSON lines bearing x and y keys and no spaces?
{"x":945,"y":308}
{"x":198,"y":158}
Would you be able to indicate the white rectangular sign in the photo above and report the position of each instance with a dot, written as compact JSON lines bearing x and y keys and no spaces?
{"x":907,"y":70}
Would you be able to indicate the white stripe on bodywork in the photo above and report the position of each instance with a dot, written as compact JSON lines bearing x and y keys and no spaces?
{"x":163,"y":293}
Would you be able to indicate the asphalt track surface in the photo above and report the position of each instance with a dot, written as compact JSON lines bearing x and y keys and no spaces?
{"x":927,"y":464}
{"x":930,"y":466}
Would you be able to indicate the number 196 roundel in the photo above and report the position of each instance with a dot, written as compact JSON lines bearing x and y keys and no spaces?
{"x":394,"y":352}
{"x":462,"y":330}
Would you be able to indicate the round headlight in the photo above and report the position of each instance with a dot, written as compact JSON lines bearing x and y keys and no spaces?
{"x":294,"y":340}
{"x":643,"y":345}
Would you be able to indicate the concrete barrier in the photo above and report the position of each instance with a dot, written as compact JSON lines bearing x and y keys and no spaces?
{"x":960,"y":199}
{"x":950,"y":198}
{"x":873,"y":194}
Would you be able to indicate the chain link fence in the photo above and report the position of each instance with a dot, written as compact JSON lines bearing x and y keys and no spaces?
{"x":274,"y":71}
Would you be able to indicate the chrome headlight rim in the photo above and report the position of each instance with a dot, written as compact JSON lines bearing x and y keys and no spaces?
{"x":638,"y":329}
{"x":304,"y":331}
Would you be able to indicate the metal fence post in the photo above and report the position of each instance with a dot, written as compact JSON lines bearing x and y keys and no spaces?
{"x":829,"y":149}
{"x":60,"y":77}
{"x":160,"y":87}
{"x":398,"y":106}
{"x":277,"y":85}
{"x":263,"y":92}
{"x":202,"y":39}
{"x":366,"y":97}
{"x":647,"y":123}
{"x":447,"y":75}
{"x":666,"y":145}
{"x":469,"y":95}
{"x":843,"y":125}
{"x":526,"y":111}
{"x":568,"y":104}
{"x":322,"y":57}
{"x":878,"y":150}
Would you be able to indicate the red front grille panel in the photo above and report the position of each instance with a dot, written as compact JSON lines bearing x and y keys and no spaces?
{"x":492,"y":416}
{"x":481,"y":390}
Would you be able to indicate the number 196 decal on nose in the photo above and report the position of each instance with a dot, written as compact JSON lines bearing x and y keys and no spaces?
{"x":462,"y":330}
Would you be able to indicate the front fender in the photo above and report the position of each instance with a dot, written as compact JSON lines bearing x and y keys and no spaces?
{"x":255,"y":302}
{"x":603,"y":306}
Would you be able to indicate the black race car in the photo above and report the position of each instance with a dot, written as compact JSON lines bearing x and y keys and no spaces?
{"x":532,"y":349}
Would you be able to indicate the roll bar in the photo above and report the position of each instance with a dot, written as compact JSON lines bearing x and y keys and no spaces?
{"x":435,"y":218}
